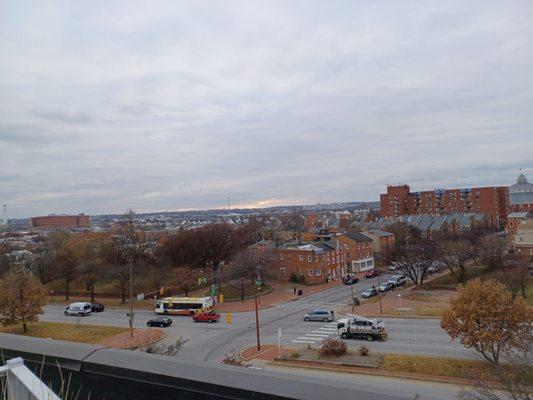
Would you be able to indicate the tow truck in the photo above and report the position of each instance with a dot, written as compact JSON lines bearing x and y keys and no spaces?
{"x":357,"y":327}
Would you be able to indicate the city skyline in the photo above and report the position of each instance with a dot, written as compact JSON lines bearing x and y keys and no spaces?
{"x":169,"y":106}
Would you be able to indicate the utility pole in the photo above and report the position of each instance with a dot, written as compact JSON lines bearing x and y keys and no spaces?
{"x":131,"y":298}
{"x":353,"y":301}
{"x":257,"y":323}
{"x":379,"y":294}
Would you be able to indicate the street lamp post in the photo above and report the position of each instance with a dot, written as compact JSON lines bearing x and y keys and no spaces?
{"x":242,"y":289}
{"x":257,"y":323}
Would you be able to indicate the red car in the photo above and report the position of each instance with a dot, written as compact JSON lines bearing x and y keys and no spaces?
{"x":208,"y":317}
{"x":373,"y":273}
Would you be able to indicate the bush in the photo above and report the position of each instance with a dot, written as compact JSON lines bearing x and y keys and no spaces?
{"x":294,"y":279}
{"x":335,"y":347}
{"x":295,"y":354}
{"x":234,"y":359}
{"x":364,"y":351}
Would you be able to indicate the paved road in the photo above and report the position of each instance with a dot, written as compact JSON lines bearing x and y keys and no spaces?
{"x":210,"y":342}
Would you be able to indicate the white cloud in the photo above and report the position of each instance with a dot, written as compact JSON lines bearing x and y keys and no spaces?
{"x":177,"y":105}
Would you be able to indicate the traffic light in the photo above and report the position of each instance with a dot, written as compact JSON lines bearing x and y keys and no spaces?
{"x":228,"y":318}
{"x":221,"y":298}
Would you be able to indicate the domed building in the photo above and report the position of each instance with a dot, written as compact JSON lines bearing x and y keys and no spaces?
{"x":521,"y":195}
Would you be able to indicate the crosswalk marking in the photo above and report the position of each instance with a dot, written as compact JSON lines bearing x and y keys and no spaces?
{"x":315,"y":334}
{"x":302,"y":341}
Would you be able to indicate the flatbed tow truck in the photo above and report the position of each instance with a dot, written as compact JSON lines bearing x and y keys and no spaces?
{"x":357,"y":327}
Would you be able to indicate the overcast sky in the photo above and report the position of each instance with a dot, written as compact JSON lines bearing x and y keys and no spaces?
{"x":110,"y":105}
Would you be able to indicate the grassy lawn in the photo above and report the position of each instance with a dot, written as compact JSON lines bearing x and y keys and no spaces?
{"x":62,"y":331}
{"x":450,"y":280}
{"x":431,"y":365}
{"x":234,"y":292}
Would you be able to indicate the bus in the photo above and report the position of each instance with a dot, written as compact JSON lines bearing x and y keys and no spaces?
{"x":183,"y":305}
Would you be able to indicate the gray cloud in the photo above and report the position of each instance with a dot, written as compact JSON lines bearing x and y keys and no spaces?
{"x":169,"y":106}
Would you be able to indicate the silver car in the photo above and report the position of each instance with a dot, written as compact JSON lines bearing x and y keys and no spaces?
{"x":324,"y":315}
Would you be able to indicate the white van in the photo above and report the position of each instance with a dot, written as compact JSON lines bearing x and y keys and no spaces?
{"x":81,"y":309}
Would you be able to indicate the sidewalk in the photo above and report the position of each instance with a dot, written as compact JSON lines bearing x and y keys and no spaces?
{"x":282,"y":292}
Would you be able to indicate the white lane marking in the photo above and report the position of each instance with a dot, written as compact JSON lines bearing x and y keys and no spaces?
{"x":302,"y":341}
{"x":328,"y":329}
{"x":314,"y":334}
{"x":308,"y":338}
{"x":319,"y":332}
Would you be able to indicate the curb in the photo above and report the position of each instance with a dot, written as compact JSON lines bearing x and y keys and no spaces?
{"x":344,"y":368}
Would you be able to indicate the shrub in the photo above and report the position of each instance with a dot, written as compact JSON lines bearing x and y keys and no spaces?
{"x":234,"y":359}
{"x":364,"y":351}
{"x":294,"y":354}
{"x":331,"y":346}
{"x":294,"y":279}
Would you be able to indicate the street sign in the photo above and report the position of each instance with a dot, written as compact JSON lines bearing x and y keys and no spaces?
{"x":258,"y":282}
{"x":213,"y":290}
{"x":140,"y":296}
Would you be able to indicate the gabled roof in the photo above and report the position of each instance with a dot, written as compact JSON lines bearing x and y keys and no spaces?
{"x":380,"y":233}
{"x":358,"y":237}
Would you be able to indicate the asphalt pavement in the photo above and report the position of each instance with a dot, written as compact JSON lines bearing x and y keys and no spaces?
{"x":210,"y":342}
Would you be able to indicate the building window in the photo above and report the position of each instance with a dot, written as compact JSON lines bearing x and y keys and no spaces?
{"x":309,"y":258}
{"x":323,"y":257}
{"x":318,"y":272}
{"x":281,"y":257}
{"x":282,"y":271}
{"x":302,"y":271}
{"x":316,"y":259}
{"x":301,"y":257}
{"x":310,"y":272}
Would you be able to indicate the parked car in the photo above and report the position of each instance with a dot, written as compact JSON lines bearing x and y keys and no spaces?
{"x":159,"y":321}
{"x":97,"y":307}
{"x":385,"y":287}
{"x":206,"y":317}
{"x":324,"y":315}
{"x":394,"y":267}
{"x":370,"y":292}
{"x":435,"y":267}
{"x":373,"y":273}
{"x":80,"y":309}
{"x":350,"y":280}
{"x":398,"y":280}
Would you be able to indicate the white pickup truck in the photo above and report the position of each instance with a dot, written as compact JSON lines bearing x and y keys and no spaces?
{"x":356,"y":327}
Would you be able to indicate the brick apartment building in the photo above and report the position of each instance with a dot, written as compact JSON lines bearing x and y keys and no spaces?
{"x":311,"y":262}
{"x":492,"y":201}
{"x":522,"y":239}
{"x":358,"y":249}
{"x":60,"y":222}
{"x":383,"y":244}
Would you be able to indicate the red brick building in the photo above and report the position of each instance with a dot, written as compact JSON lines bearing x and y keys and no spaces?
{"x":492,"y":201}
{"x":359,"y":251}
{"x":383,"y":243}
{"x":60,"y":222}
{"x":310,"y":262}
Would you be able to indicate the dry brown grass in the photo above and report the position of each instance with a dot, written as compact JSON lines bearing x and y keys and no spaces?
{"x":63,"y":331}
{"x":427,"y":365}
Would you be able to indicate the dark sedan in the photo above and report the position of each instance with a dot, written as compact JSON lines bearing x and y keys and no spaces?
{"x":350,"y":280}
{"x":97,"y":307}
{"x":160,"y":321}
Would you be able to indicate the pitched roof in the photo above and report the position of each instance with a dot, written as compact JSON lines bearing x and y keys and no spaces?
{"x":358,"y":237}
{"x":380,"y":233}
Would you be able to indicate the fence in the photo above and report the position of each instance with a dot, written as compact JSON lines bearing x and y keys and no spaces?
{"x":18,"y":382}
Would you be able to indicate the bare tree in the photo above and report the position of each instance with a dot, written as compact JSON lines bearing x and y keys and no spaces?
{"x":415,"y":257}
{"x":295,"y":224}
{"x":455,"y":254}
{"x":252,"y":264}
